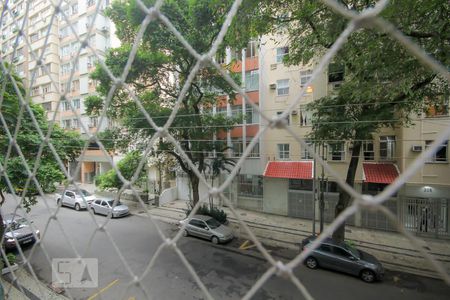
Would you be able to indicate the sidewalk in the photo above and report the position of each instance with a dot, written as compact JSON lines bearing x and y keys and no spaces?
{"x":285,"y":234}
{"x":26,"y":287}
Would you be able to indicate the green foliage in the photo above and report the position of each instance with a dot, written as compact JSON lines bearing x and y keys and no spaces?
{"x":127,"y":167}
{"x":159,"y":59}
{"x":67,"y":146}
{"x":214,"y":212}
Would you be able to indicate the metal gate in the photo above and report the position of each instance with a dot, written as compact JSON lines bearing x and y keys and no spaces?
{"x":426,"y":216}
{"x":300,"y":204}
{"x":377,"y":220}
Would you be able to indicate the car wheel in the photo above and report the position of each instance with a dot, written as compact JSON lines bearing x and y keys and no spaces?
{"x":77,"y":206}
{"x":215,"y":240}
{"x":185,"y":233}
{"x":367,"y":276}
{"x":93,"y":210}
{"x":311,"y":262}
{"x":58,"y":202}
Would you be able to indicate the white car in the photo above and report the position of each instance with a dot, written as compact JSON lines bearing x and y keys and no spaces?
{"x":105,"y":207}
{"x":76,"y":198}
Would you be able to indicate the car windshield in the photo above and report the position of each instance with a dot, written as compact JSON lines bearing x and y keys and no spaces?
{"x":212,"y":223}
{"x":84,"y":193}
{"x":111,"y":202}
{"x":18,"y":223}
{"x":352,"y":250}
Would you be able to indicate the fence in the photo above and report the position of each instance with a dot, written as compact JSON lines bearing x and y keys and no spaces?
{"x":368,"y":17}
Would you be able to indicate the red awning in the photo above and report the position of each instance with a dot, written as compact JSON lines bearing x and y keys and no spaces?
{"x":289,"y":169}
{"x":379,"y":172}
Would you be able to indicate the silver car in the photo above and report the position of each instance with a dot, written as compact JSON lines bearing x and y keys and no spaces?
{"x":73,"y":197}
{"x":208,"y":228}
{"x":17,"y":227}
{"x":105,"y":207}
{"x":344,"y":258}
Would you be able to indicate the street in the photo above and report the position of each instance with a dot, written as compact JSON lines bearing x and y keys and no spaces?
{"x":227,"y":274}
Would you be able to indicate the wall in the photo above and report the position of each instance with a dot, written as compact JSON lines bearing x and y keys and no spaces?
{"x":168,"y":195}
{"x":276,"y":195}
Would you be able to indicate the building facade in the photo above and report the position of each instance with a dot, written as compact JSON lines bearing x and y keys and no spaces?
{"x":54,"y":54}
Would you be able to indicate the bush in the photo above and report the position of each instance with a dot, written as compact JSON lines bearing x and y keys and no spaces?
{"x":216,"y":213}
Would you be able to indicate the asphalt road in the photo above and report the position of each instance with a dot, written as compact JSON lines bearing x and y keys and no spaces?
{"x":226,"y":273}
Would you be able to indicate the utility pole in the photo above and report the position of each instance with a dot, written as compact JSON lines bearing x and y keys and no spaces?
{"x":322,"y":187}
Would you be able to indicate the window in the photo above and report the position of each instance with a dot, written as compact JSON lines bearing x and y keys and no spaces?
{"x":387,"y":147}
{"x":281,"y":53}
{"x":90,"y":3}
{"x":287,"y":117}
{"x":65,"y":50}
{"x":35,"y":91}
{"x":368,"y":150}
{"x":251,"y":116}
{"x":236,"y":111}
{"x":325,"y":248}
{"x":440,"y":155}
{"x":91,"y":61}
{"x":340,"y":252}
{"x":221,"y":110}
{"x":252,"y":81}
{"x":252,"y":48}
{"x":74,"y":8}
{"x":282,"y":87}
{"x":305,"y":117}
{"x":76,"y":103}
{"x":93,"y":121}
{"x":47,"y":106}
{"x":438,"y":107}
{"x":65,"y":105}
{"x":250,"y":185}
{"x":305,"y":152}
{"x":34,"y":37}
{"x":371,"y":188}
{"x":337,"y":151}
{"x":335,"y":73}
{"x":46,"y":88}
{"x":283,"y":151}
{"x":305,"y":76}
{"x":63,"y":32}
{"x":75,"y":85}
{"x":301,"y":184}
{"x":255,"y":150}
{"x":75,"y":123}
{"x":65,"y":69}
{"x":67,"y":123}
{"x":237,"y":147}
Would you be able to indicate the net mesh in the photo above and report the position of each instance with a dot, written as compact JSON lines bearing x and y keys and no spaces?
{"x":152,"y":14}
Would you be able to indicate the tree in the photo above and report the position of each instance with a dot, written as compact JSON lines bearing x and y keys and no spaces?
{"x":219,"y":164}
{"x":383,"y":84}
{"x":67,"y":145}
{"x":158,"y":73}
{"x":127,"y":167}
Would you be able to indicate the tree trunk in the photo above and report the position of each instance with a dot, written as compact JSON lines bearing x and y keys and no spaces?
{"x":195,"y":183}
{"x":2,"y":229}
{"x":344,"y":198}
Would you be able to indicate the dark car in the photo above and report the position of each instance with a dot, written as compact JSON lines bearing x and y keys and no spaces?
{"x":17,"y":228}
{"x":344,"y":258}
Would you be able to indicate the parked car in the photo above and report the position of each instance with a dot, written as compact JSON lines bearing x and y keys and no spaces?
{"x":344,"y":258}
{"x":73,"y":197}
{"x":208,"y":228}
{"x":104,"y":207}
{"x":17,"y":226}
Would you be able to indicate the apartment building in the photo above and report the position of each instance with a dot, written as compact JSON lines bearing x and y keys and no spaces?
{"x":282,"y":177}
{"x":50,"y":58}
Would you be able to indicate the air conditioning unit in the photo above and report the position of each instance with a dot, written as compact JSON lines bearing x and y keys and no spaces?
{"x":273,"y":66}
{"x":273,"y":86}
{"x":104,"y":28}
{"x":416,"y":148}
{"x":294,"y":113}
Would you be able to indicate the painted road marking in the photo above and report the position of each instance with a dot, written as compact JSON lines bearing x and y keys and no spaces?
{"x":103,"y":289}
{"x":246,"y":245}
